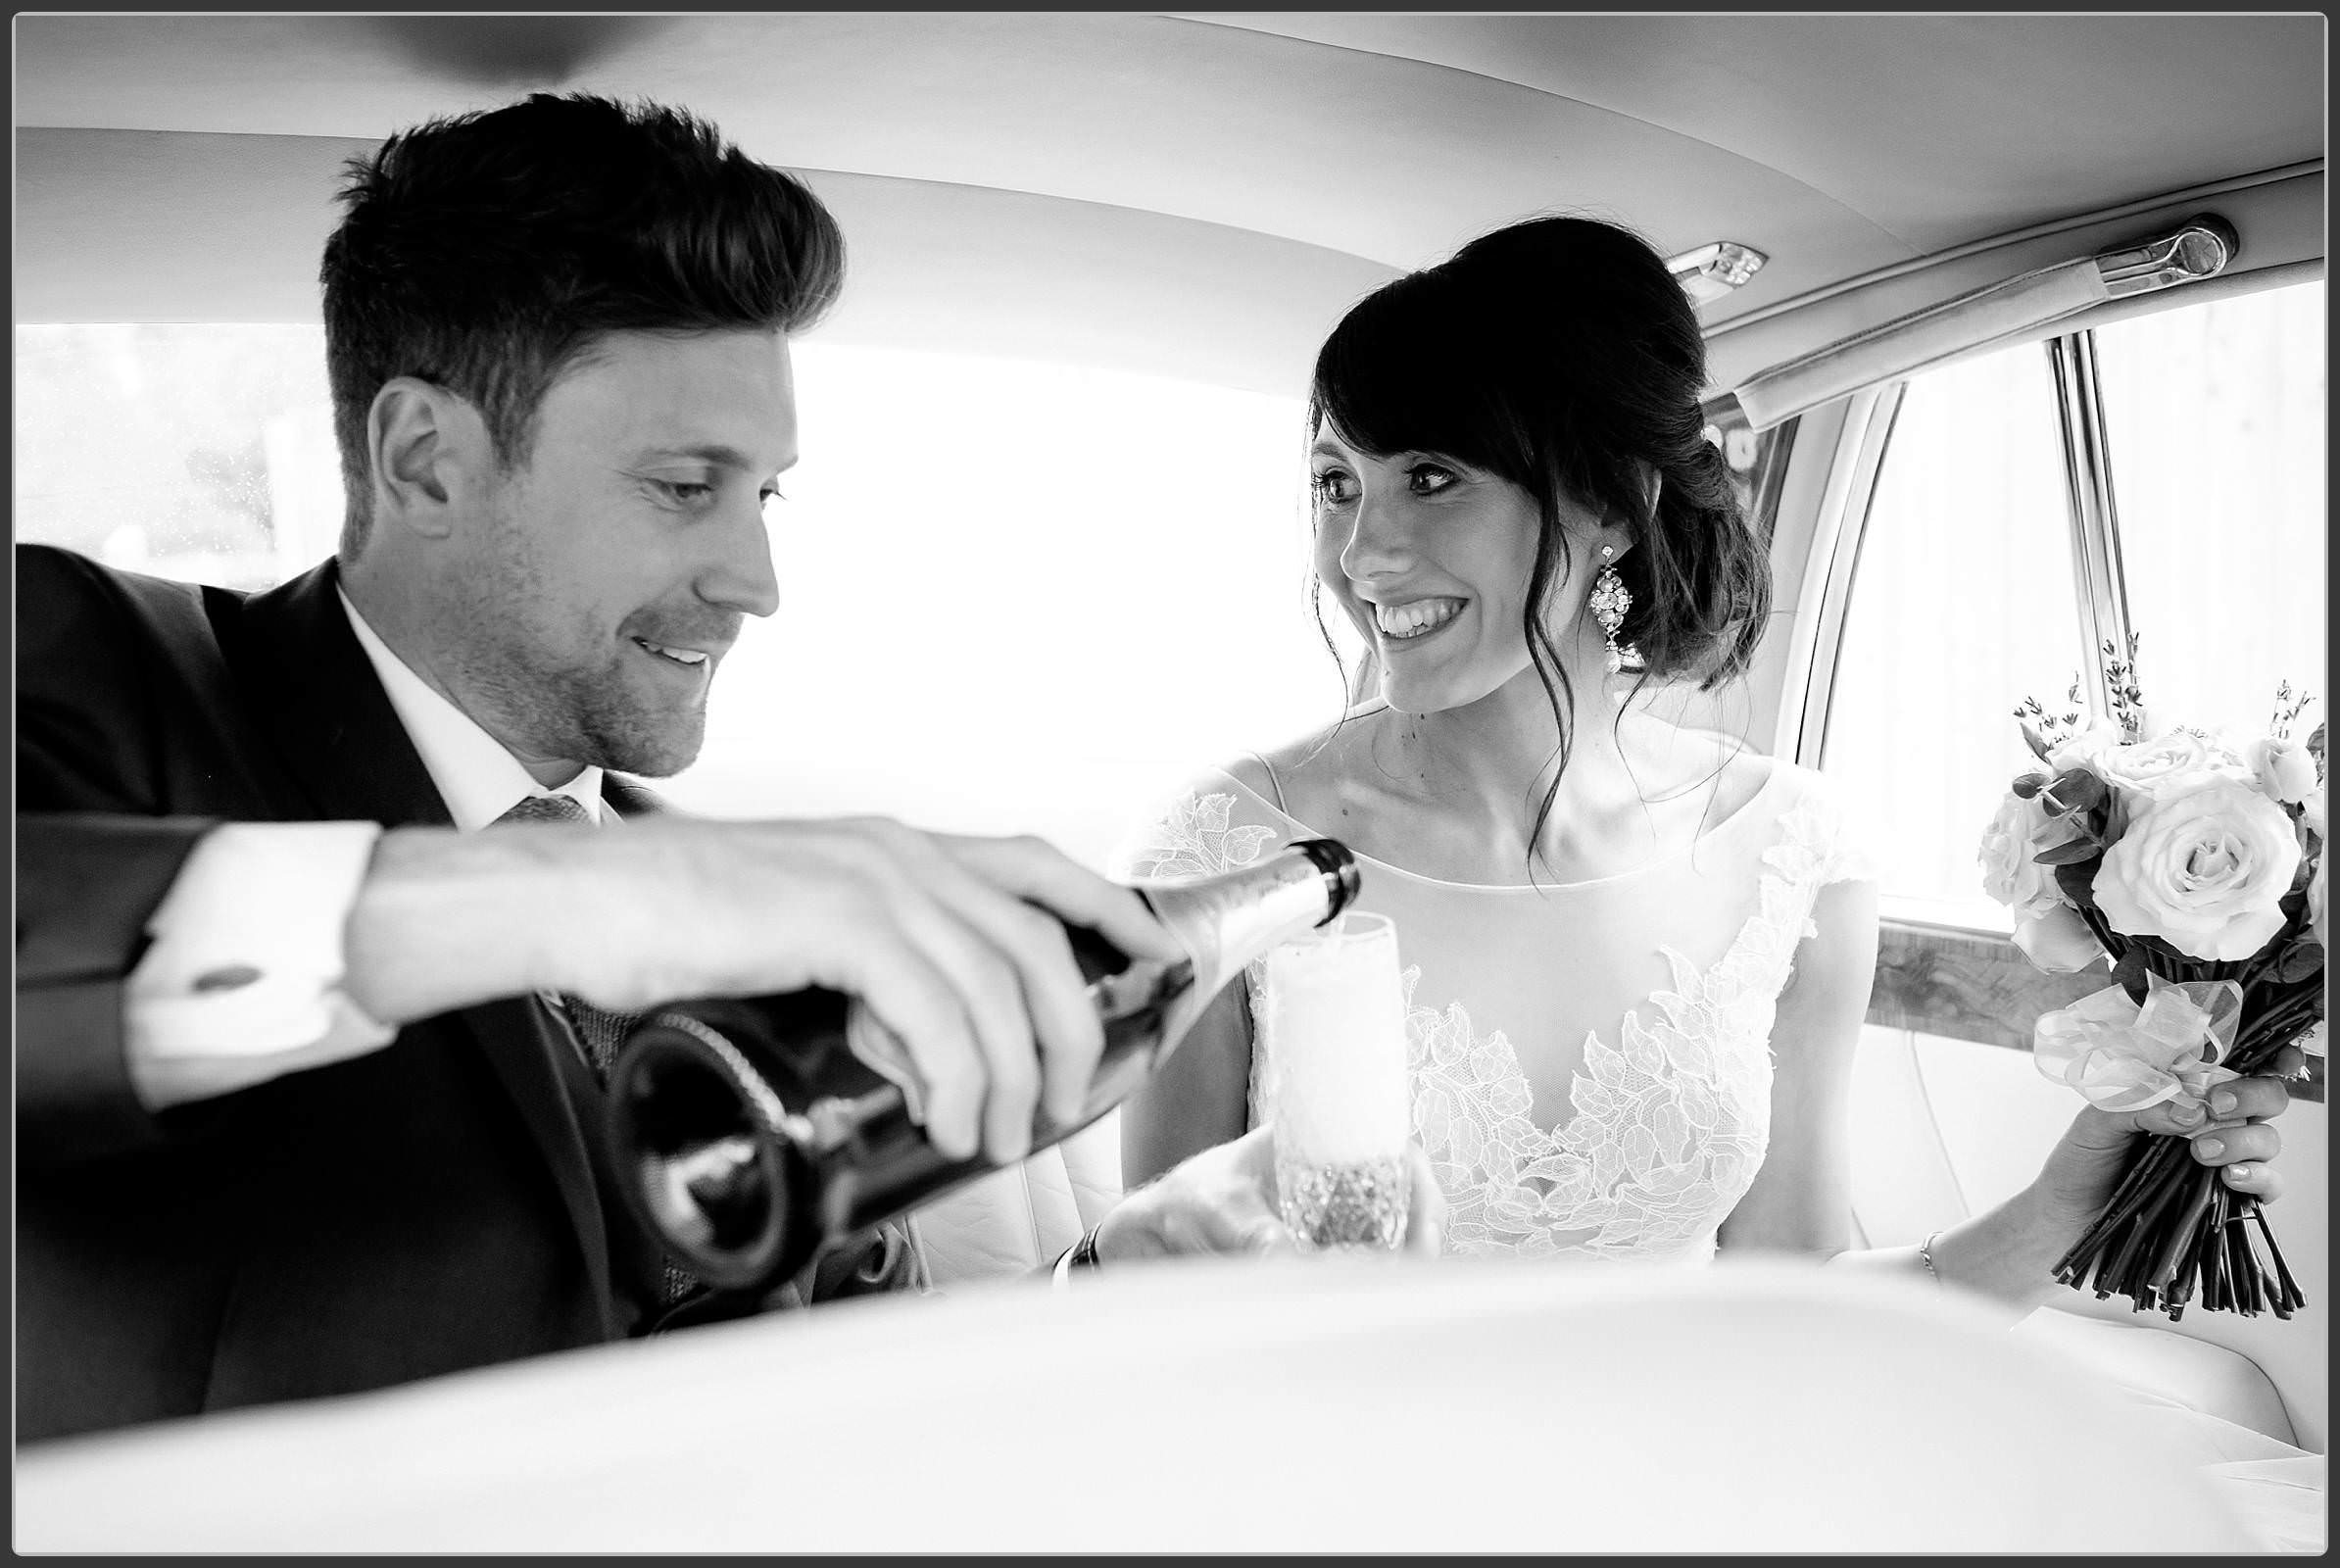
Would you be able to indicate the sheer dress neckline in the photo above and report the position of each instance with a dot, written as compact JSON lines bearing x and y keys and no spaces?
{"x":1649,"y":1112}
{"x":1745,"y":813}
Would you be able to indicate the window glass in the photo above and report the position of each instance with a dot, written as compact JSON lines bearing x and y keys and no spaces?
{"x":1015,"y":597}
{"x":1020,"y":597}
{"x":1961,"y":605}
{"x":2214,"y":421}
{"x":202,"y":452}
{"x":1757,"y":460}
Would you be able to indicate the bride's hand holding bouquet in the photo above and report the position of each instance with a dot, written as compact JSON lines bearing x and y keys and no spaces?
{"x":2194,"y":862}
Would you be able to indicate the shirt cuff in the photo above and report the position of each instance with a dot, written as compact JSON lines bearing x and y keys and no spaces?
{"x":243,"y":980}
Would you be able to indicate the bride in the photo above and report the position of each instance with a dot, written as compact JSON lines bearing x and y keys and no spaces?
{"x":1640,"y":956}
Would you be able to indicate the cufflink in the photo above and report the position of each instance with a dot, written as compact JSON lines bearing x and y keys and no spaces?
{"x":230,"y":977}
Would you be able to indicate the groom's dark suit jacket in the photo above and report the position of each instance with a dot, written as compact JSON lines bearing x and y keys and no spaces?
{"x":442,"y":1202}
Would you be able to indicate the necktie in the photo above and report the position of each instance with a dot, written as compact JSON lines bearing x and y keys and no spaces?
{"x":601,"y":1030}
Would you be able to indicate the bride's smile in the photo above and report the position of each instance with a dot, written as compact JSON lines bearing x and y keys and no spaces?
{"x":1416,"y":618}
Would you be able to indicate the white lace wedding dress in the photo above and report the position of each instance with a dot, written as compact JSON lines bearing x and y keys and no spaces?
{"x":1591,"y":1061}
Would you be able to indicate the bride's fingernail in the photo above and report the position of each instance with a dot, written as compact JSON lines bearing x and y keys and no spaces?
{"x":2222,"y":1102}
{"x":2210,"y":1147}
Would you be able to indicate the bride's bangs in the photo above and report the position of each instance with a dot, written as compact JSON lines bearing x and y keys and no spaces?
{"x":1401,"y":373}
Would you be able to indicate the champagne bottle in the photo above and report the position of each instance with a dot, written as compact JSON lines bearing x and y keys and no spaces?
{"x":752,"y":1133}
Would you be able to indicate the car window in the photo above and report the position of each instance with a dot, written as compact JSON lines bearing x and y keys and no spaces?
{"x":1961,"y":605}
{"x":1108,"y":590}
{"x":198,"y":451}
{"x":2215,"y":420}
{"x":1020,"y":597}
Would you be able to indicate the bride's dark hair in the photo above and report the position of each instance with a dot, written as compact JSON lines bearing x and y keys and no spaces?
{"x":1560,"y":353}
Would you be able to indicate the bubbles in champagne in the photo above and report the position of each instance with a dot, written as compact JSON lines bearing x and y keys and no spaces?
{"x":1355,"y":1205}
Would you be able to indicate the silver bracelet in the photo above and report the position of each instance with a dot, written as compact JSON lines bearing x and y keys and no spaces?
{"x":1925,"y":1256}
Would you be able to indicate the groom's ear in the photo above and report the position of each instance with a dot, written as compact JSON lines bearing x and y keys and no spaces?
{"x":427,"y":450}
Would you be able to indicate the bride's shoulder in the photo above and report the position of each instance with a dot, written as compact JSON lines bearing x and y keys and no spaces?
{"x":1315,"y":777}
{"x":1812,"y":815}
{"x":1214,"y":819}
{"x":1684,"y":762}
{"x":1281,"y":785}
{"x":1734,"y":783}
{"x":1315,"y":752}
{"x":1253,"y":773}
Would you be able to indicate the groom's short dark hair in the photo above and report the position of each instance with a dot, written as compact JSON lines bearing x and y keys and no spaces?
{"x":483,"y":252}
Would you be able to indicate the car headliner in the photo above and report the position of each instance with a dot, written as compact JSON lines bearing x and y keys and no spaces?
{"x":1194,"y":195}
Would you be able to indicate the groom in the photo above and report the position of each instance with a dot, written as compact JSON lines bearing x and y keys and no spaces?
{"x":309,"y":1042}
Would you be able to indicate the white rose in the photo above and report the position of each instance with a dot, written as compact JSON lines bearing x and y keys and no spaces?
{"x":2009,"y":873}
{"x":2176,"y":762}
{"x":2204,"y":868}
{"x":2083,"y":746}
{"x":2284,"y":769}
{"x":2058,"y":940}
{"x":2224,"y":748}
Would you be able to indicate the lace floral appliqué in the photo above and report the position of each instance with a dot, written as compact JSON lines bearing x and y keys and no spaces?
{"x":1193,"y":840}
{"x":1668,"y":1125}
{"x":1666,"y":1128}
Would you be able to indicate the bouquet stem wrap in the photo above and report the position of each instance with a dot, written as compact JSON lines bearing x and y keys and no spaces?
{"x":2173,"y":1235}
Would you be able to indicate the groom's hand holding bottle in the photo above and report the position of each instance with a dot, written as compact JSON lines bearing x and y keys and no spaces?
{"x":956,"y":943}
{"x":948,"y":939}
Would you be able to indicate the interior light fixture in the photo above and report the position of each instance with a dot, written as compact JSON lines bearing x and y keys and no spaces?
{"x":1712,"y":272}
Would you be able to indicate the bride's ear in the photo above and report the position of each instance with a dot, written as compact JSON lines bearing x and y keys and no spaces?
{"x":1653,"y":485}
{"x":1618,"y":534}
{"x":1613,"y":541}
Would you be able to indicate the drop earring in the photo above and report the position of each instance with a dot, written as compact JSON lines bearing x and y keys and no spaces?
{"x":1610,"y":600}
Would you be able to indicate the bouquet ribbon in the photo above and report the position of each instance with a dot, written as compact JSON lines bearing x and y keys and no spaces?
{"x":2122,"y":1055}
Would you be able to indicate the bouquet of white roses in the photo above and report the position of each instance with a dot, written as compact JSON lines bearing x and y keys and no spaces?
{"x":2194,"y":862}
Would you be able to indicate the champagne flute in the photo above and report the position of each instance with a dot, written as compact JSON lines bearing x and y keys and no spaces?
{"x":1333,"y":1033}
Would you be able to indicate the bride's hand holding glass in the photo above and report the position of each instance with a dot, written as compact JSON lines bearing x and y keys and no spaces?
{"x":1224,"y":1201}
{"x":1333,"y":1165}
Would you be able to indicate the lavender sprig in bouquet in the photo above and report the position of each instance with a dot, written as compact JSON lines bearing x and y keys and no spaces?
{"x":2194,"y":862}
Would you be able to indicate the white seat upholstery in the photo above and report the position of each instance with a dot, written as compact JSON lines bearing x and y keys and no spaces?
{"x":1019,"y":1219}
{"x":2157,"y":1363}
{"x":1945,"y":1128}
{"x":1938,"y":1133}
{"x":1355,"y":1407}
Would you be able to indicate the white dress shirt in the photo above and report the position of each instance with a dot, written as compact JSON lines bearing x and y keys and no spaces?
{"x":477,"y":778}
{"x":243,"y":981}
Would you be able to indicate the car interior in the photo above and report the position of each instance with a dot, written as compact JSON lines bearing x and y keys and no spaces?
{"x":2016,"y":338}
